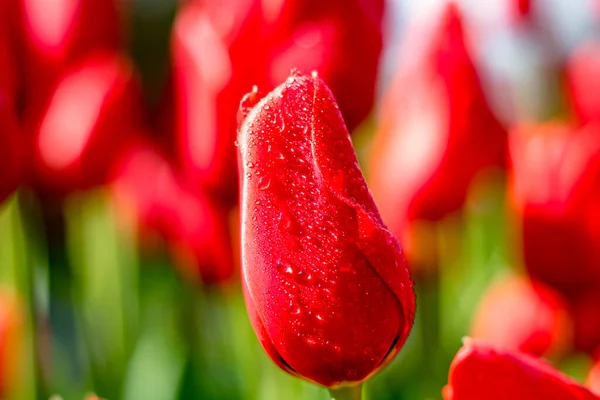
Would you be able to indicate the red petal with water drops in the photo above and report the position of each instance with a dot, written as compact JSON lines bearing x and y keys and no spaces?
{"x":327,"y":288}
{"x":479,"y":371}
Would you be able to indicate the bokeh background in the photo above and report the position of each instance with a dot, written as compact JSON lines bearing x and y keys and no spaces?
{"x":475,"y":122}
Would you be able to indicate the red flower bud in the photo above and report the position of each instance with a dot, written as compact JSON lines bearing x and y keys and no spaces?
{"x":593,"y":379}
{"x":584,"y":82}
{"x":11,"y":342}
{"x":341,"y":39}
{"x":220,"y":51}
{"x":522,"y":315}
{"x":92,"y":112}
{"x":437,"y":131}
{"x":212,"y":46}
{"x":56,"y":33}
{"x":12,"y":148}
{"x":481,"y":372}
{"x":555,"y":194}
{"x":327,"y":288}
{"x":584,"y":308}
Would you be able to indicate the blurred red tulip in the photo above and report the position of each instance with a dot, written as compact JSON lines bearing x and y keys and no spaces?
{"x":481,"y":372}
{"x":437,"y":131}
{"x":201,"y":244}
{"x":326,"y":285}
{"x":147,"y":191}
{"x":144,"y":191}
{"x":554,"y":190}
{"x":56,"y":33}
{"x":522,"y":9}
{"x":522,"y":315}
{"x":583,"y":78}
{"x":12,"y":150}
{"x":214,"y":49}
{"x":11,"y":349}
{"x":340,"y":39}
{"x":585,"y":308}
{"x":93,"y":111}
{"x":12,"y":147}
{"x":593,"y":379}
{"x":221,"y":49}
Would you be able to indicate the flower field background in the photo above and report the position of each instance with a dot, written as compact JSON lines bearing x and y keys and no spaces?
{"x":476,"y":125}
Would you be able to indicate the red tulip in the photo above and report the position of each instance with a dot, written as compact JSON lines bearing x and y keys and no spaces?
{"x":213,"y":44}
{"x":522,"y":315}
{"x":221,"y":49}
{"x":437,"y":131}
{"x":554,"y":191}
{"x":201,"y":244}
{"x":11,"y":349}
{"x":92,"y":112}
{"x":584,"y":308}
{"x":11,"y":142}
{"x":584,"y":82}
{"x":144,"y":191}
{"x":341,"y":39}
{"x":12,"y":150}
{"x":56,"y":33}
{"x":593,"y":379}
{"x":481,"y":372}
{"x":147,"y":191}
{"x":327,"y":288}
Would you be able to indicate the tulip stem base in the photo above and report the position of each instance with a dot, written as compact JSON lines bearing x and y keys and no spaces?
{"x":347,"y":393}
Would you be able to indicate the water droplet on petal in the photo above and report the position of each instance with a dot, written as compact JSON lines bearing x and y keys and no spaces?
{"x":264,"y":182}
{"x":285,"y":267}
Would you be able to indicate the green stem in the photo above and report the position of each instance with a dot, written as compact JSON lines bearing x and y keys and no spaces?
{"x":347,"y":393}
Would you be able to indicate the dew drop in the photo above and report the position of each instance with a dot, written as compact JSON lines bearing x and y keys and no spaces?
{"x":248,"y":175}
{"x":311,"y":341}
{"x":305,"y":278}
{"x":285,"y":267}
{"x":264,"y":182}
{"x":295,"y":308}
{"x":250,"y":164}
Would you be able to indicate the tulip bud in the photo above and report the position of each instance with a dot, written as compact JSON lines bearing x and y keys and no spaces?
{"x":12,"y":148}
{"x":94,"y":109}
{"x":586,"y":320}
{"x":437,"y":131}
{"x":341,"y":39}
{"x":593,"y":379}
{"x":555,"y":194}
{"x":56,"y":33}
{"x":326,"y":285}
{"x":584,"y":82}
{"x":211,"y":46}
{"x":12,"y":151}
{"x":481,"y":372}
{"x":11,"y":349}
{"x":521,"y":315}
